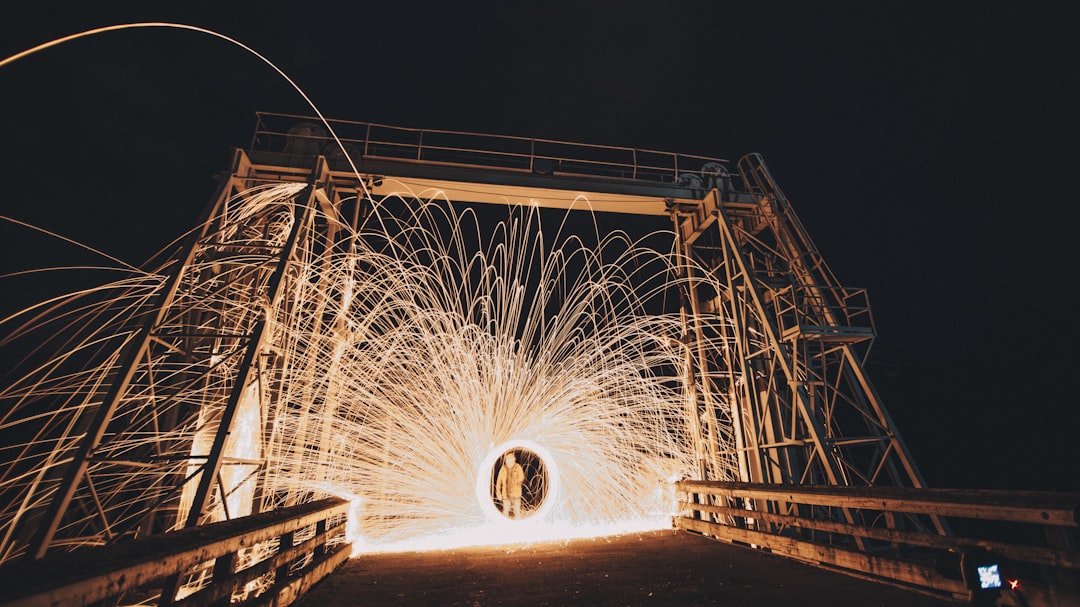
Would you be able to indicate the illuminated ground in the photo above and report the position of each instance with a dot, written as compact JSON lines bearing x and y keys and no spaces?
{"x":655,"y":568}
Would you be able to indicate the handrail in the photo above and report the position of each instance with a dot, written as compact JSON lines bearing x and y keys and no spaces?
{"x":840,"y":309}
{"x":287,"y":550}
{"x":796,"y":521}
{"x":272,"y":132}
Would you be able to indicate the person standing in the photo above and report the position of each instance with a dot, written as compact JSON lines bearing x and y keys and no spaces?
{"x":508,"y":486}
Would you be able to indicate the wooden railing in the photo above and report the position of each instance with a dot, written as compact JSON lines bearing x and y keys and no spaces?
{"x":897,"y":535}
{"x":268,"y":558}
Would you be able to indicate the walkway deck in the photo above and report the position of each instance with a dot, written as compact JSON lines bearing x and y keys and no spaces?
{"x":658,"y":568}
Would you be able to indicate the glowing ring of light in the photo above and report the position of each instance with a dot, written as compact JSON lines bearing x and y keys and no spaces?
{"x":483,"y":480}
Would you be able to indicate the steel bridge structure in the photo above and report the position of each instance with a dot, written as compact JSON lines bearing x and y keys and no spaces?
{"x":779,"y":396}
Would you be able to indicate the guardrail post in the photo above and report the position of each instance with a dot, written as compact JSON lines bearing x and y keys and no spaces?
{"x":284,"y":543}
{"x":1063,"y":538}
{"x":320,"y":532}
{"x":169,"y":587}
{"x":224,"y":568}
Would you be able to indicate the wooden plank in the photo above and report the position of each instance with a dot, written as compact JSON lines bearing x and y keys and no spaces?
{"x":1027,"y":554}
{"x":92,"y":574}
{"x":1037,"y":507}
{"x":911,"y":575}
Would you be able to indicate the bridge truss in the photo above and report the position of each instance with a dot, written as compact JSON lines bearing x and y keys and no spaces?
{"x":195,"y":356}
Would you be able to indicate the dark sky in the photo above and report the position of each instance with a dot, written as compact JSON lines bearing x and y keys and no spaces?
{"x":929,"y":148}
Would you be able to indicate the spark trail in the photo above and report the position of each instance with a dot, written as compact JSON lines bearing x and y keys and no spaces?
{"x":399,"y":361}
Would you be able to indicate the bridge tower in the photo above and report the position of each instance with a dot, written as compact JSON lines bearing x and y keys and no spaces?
{"x":776,"y":345}
{"x":794,"y":377}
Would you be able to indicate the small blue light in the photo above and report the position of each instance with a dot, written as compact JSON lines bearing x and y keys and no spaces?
{"x":989,"y":576}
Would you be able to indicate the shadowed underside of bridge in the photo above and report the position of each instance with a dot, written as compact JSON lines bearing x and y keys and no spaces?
{"x":656,"y":568}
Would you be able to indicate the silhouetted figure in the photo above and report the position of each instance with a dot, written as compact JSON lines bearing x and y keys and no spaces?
{"x":508,"y":486}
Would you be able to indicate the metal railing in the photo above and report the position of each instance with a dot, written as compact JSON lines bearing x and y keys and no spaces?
{"x":268,"y":558}
{"x":305,"y":136}
{"x":890,"y":539}
{"x":826,"y":312}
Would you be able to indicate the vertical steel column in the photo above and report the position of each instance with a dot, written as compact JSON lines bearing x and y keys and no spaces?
{"x":212,"y":467}
{"x":689,"y":382}
{"x":692,"y":329}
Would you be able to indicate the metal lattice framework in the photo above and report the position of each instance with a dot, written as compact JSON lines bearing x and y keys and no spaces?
{"x":773,"y":357}
{"x":794,"y":375}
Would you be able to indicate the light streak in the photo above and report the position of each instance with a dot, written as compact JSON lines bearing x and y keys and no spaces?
{"x":448,"y":356}
{"x":402,"y":366}
{"x":394,"y":369}
{"x":399,"y":363}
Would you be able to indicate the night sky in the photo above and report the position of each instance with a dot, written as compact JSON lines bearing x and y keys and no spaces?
{"x":930,"y":149}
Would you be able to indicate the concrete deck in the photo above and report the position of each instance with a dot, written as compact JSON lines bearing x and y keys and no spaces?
{"x":657,"y":568}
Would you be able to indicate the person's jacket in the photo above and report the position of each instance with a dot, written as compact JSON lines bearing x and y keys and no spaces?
{"x":508,"y":486}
